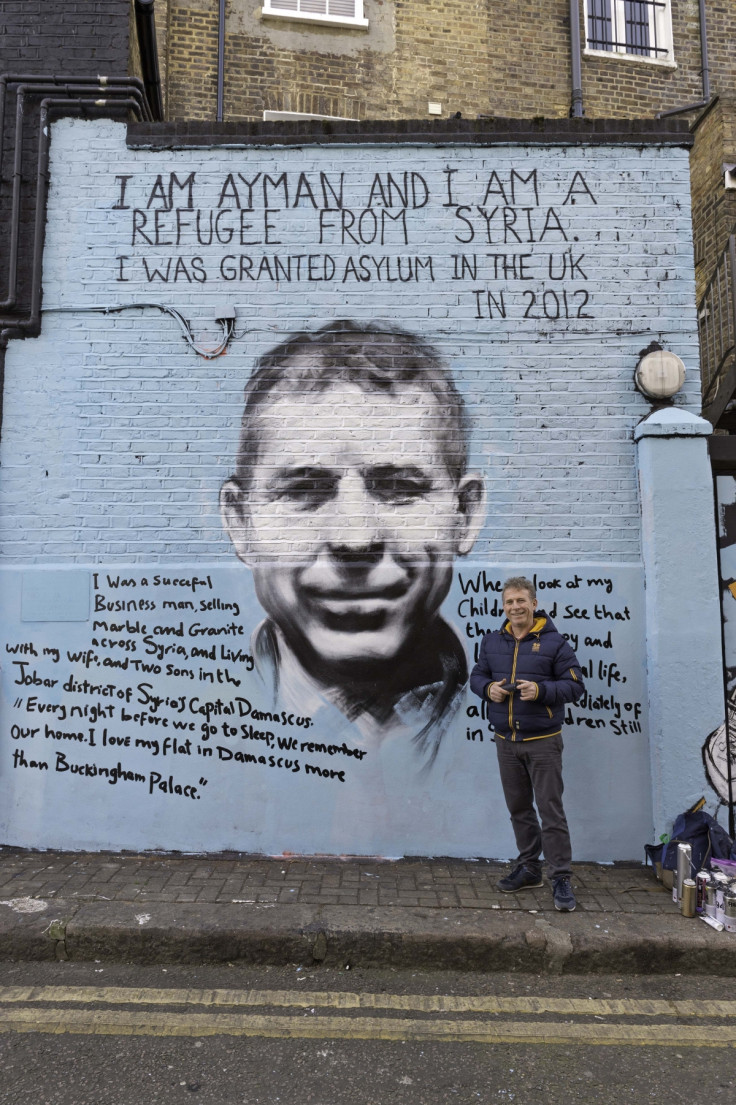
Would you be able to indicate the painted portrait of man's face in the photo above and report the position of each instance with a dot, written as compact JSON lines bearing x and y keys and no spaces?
{"x":351,"y":537}
{"x":352,"y":502}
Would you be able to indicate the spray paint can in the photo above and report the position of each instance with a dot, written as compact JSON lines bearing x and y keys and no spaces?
{"x":701,"y":882}
{"x":687,"y":905}
{"x":729,"y":910}
{"x":721,"y":888}
{"x":710,"y":899}
{"x":684,"y":857}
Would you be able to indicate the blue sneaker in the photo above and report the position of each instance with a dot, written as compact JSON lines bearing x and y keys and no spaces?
{"x":521,"y":878}
{"x":563,"y":896}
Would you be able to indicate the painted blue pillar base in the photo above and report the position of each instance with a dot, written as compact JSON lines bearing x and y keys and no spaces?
{"x":682,"y":605}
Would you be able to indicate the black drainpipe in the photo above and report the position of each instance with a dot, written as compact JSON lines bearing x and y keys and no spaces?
{"x":704,"y":53}
{"x":31,"y":325}
{"x":109,"y":87}
{"x":11,"y":327}
{"x":221,"y":61}
{"x":704,"y":70}
{"x":145,"y":26}
{"x":95,"y":92}
{"x":576,"y":108}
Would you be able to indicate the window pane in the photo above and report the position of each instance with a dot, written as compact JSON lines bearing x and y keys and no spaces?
{"x":345,"y":8}
{"x":285,"y":5}
{"x":600,"y":29}
{"x":314,"y":7}
{"x":637,"y":27}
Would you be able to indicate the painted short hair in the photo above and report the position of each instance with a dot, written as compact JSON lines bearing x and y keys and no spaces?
{"x":519,"y":583}
{"x":374,"y":359}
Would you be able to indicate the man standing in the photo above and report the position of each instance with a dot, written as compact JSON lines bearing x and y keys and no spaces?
{"x":527,"y":673}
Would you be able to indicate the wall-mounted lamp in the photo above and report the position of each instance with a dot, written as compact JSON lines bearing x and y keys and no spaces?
{"x":729,"y":177}
{"x":659,"y":374}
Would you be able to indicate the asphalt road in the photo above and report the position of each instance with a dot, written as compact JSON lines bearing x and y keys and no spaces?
{"x":93,"y":1034}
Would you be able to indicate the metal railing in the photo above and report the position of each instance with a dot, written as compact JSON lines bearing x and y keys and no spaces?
{"x":717,"y":324}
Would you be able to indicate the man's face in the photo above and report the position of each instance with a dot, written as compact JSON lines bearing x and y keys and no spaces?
{"x":519,"y":607}
{"x":352,"y":521}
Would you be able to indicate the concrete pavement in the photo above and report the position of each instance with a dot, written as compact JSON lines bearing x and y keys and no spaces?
{"x":430,"y":913}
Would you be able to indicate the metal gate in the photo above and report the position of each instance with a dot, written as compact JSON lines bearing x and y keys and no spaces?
{"x":719,"y":750}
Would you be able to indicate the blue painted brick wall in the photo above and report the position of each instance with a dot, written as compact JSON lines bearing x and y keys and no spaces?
{"x":117,"y":436}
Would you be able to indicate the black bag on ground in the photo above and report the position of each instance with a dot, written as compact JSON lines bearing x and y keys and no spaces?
{"x":706,"y":837}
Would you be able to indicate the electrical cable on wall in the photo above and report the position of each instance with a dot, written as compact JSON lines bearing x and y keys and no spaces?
{"x":224,"y":315}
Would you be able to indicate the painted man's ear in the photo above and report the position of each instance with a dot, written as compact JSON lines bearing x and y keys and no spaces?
{"x":235,"y":517}
{"x":471,"y":497}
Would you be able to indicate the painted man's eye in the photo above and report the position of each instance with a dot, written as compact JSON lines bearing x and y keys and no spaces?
{"x":308,"y":489}
{"x":396,"y":487}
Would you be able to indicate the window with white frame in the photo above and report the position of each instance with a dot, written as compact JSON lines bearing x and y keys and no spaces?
{"x":344,"y":12}
{"x":634,"y":28}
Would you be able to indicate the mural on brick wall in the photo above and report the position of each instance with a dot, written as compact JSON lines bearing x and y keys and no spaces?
{"x":375,"y":523}
{"x":248,"y":563}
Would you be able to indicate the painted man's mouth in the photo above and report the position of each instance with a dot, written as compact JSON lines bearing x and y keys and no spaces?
{"x":363,"y":602}
{"x":358,"y":620}
{"x":355,"y":610}
{"x":357,"y":594}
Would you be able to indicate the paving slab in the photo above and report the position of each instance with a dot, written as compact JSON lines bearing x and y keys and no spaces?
{"x":415,"y":913}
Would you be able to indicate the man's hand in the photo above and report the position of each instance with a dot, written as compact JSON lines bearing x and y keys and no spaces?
{"x":528,"y":691}
{"x":496,"y":693}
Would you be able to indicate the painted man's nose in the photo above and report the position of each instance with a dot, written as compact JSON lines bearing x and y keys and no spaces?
{"x":356,"y":530}
{"x":358,"y":546}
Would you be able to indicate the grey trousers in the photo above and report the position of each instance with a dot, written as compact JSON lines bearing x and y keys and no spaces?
{"x":531,"y":772}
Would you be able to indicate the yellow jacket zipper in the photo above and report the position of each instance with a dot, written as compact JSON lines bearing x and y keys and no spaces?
{"x":511,"y":696}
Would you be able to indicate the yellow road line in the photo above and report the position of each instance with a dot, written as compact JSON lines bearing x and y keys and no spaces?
{"x":419,"y":1003}
{"x":141,"y":1023}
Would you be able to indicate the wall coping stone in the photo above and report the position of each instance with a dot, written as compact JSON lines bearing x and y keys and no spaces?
{"x":672,"y":422}
{"x":436,"y":132}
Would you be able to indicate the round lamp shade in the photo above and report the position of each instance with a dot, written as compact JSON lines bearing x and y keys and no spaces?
{"x":660,"y":375}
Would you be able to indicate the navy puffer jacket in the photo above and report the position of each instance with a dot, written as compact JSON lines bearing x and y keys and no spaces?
{"x":544,"y":657}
